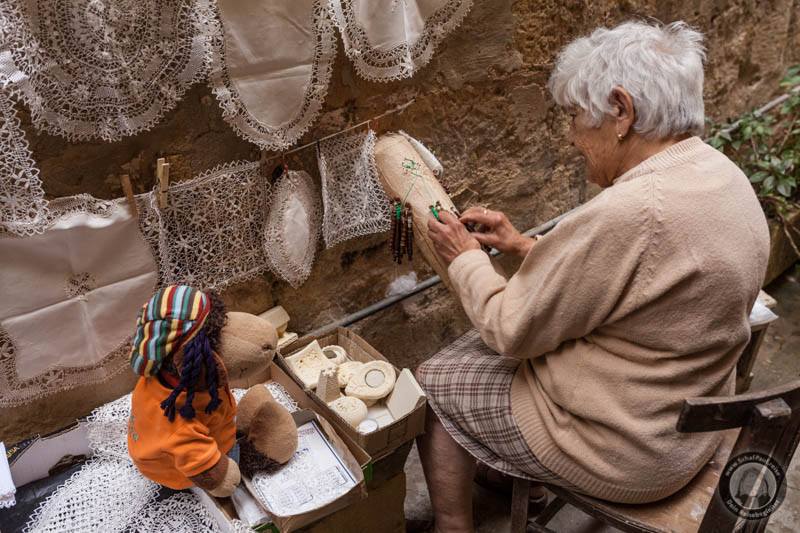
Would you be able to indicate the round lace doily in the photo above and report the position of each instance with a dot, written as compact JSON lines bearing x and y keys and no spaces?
{"x":105,"y":69}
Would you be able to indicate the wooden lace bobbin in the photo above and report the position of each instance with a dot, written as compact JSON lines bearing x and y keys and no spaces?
{"x":404,"y":175}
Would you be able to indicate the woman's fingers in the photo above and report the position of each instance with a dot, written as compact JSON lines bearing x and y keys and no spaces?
{"x":479,"y":215}
{"x":489,"y":239}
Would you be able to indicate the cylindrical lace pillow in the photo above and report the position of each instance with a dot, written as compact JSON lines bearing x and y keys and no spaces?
{"x":404,"y":175}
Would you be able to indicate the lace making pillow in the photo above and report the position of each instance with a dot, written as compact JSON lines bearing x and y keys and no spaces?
{"x":293,"y":226}
{"x":210,"y":233}
{"x":271,"y":64}
{"x":104,"y":69}
{"x":69,"y":297}
{"x":354,"y":201}
{"x":392,"y":39}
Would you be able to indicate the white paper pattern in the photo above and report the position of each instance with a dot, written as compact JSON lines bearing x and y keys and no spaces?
{"x":313,"y":477}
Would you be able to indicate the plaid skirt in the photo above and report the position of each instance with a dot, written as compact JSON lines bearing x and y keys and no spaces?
{"x":469,"y":388}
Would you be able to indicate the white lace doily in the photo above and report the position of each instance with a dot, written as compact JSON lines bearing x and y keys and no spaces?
{"x":86,"y":297}
{"x":107,"y":429}
{"x":180,"y":513}
{"x":353,"y":199}
{"x":270,"y":67}
{"x":105,"y":69}
{"x":23,"y":209}
{"x":292,"y":228}
{"x":392,"y":39}
{"x":210,"y":233}
{"x":104,"y":495}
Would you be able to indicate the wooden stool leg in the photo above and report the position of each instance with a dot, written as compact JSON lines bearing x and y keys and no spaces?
{"x":520,"y":498}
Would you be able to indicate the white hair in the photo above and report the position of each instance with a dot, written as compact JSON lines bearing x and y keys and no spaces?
{"x":660,"y":66}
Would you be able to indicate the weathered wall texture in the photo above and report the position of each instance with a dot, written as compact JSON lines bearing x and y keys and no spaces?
{"x":481,"y":105}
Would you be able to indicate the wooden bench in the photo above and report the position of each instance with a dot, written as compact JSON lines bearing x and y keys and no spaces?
{"x":767,"y":422}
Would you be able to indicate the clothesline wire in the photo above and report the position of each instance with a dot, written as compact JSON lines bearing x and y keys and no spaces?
{"x":398,"y":109}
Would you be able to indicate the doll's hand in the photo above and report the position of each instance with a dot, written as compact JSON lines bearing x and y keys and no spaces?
{"x":221,"y":479}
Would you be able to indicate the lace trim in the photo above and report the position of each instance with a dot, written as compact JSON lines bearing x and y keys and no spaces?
{"x":104,"y":495}
{"x":180,"y":513}
{"x":105,"y":69}
{"x":289,"y":255}
{"x":249,"y":127}
{"x":209,"y":235}
{"x":355,"y":204}
{"x":23,"y":209}
{"x":405,"y":59}
{"x":14,"y":391}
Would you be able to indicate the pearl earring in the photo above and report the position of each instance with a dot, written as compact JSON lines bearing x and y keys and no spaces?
{"x":620,"y":137}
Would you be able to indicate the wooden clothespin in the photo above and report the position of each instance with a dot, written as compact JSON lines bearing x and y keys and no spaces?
{"x":162,"y":175}
{"x":125,"y":180}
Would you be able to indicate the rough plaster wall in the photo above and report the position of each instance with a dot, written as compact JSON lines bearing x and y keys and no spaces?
{"x":481,"y":105}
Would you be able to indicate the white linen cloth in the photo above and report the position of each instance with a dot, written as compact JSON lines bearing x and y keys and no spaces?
{"x":69,"y":299}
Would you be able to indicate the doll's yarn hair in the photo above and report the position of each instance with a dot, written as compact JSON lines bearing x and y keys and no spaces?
{"x":198,"y":361}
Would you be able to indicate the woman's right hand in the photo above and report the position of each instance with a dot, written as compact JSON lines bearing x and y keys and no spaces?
{"x":497,"y":231}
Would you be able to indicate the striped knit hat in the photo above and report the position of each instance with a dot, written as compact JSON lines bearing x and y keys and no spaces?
{"x":166,"y":323}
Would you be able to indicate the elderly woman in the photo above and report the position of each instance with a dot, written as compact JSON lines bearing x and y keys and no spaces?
{"x":639,"y":299}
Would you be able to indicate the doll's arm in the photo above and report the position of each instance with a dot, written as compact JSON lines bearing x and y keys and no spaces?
{"x":221,"y":479}
{"x":198,"y":457}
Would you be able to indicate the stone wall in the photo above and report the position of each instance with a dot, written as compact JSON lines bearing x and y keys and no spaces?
{"x":481,"y":105}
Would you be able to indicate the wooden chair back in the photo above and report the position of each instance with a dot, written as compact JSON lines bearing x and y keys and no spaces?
{"x":770,"y":425}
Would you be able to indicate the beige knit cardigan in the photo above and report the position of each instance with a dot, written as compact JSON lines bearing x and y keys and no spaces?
{"x":635,"y":302}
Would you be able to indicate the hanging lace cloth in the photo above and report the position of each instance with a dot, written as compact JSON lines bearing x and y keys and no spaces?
{"x":392,"y":39}
{"x":104,"y":495}
{"x":353,"y":199}
{"x":82,"y":281}
{"x":292,"y":229}
{"x":23,"y":209}
{"x":210,"y":233}
{"x":104,"y":69}
{"x":270,"y":67}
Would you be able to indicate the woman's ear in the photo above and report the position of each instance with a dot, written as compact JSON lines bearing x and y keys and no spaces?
{"x":624,"y":113}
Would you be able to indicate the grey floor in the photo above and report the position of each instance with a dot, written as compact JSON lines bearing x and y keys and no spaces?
{"x":778,"y":362}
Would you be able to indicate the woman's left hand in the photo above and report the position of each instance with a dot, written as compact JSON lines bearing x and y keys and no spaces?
{"x":449,"y":236}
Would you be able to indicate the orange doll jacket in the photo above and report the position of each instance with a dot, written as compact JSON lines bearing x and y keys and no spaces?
{"x":170,"y":453}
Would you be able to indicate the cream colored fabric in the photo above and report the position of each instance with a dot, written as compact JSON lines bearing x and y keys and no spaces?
{"x":69,"y":299}
{"x":634,"y":303}
{"x":271,"y":66}
{"x":292,"y":228}
{"x":392,"y":39}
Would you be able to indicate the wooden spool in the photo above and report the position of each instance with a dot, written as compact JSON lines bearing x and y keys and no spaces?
{"x":404,"y":175}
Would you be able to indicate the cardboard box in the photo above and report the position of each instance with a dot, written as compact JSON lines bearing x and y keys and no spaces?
{"x":357,"y":460}
{"x":405,"y":407}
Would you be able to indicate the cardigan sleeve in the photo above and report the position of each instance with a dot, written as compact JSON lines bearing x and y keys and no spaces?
{"x":569,"y":283}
